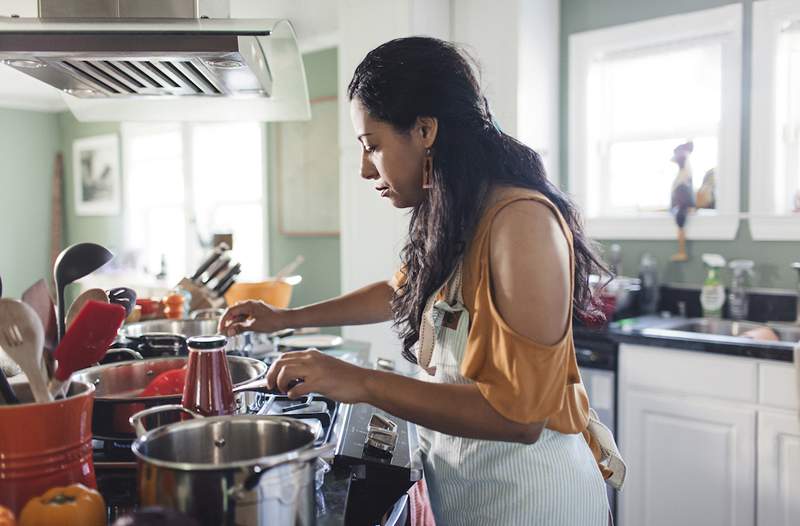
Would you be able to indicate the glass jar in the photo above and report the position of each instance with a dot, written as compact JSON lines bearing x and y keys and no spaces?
{"x":208,"y":389}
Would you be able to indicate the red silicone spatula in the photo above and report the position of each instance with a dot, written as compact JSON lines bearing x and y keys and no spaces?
{"x":86,"y":341}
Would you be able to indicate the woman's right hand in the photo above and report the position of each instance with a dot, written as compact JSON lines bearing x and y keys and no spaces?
{"x":254,"y":316}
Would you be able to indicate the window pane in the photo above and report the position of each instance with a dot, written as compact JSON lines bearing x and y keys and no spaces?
{"x":164,"y":231}
{"x":670,"y":90}
{"x":227,"y":162}
{"x":154,"y":198}
{"x":228,"y":181}
{"x":793,"y":161}
{"x":641,"y":172}
{"x":246,"y":223}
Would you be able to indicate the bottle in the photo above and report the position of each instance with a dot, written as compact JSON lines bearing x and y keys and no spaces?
{"x":648,"y":276}
{"x":208,"y":389}
{"x":615,"y":260}
{"x":737,"y":297}
{"x":712,"y":297}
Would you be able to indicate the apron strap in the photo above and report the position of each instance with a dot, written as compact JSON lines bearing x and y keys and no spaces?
{"x":451,"y":290}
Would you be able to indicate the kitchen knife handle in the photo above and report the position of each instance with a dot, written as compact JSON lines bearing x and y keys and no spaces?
{"x":215,"y":255}
{"x":237,"y":268}
{"x":215,"y":270}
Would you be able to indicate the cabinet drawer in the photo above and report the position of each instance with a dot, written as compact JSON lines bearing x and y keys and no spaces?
{"x":777,"y":385}
{"x":689,"y":372}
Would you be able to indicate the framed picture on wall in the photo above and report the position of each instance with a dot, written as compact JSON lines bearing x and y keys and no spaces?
{"x":308,"y":172}
{"x":96,"y":175}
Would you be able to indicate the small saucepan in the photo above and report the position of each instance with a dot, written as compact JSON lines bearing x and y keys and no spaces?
{"x":119,"y":384}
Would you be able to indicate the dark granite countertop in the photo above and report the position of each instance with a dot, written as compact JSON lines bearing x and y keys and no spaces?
{"x":654,"y":331}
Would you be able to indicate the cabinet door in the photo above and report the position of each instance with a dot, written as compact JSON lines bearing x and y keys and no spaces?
{"x":690,"y":462}
{"x":778,"y":468}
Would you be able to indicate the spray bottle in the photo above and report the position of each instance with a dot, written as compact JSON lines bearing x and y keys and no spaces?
{"x":712,"y":297}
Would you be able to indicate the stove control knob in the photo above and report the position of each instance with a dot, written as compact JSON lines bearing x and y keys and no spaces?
{"x":381,"y":434}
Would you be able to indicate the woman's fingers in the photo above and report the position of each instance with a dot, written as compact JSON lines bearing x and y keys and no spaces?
{"x":237,"y":313}
{"x":238,"y":327}
{"x":289,"y":375}
{"x":299,"y":390}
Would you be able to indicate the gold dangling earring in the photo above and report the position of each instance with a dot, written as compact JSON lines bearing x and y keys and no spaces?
{"x":427,"y":170}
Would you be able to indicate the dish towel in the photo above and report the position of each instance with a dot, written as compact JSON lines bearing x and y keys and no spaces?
{"x":797,"y":374}
{"x":611,"y":456}
{"x":420,"y":511}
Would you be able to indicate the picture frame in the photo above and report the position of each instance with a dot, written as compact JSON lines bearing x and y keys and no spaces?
{"x":96,"y":175}
{"x":307,"y":160}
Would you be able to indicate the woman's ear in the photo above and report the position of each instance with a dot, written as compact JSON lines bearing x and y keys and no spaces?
{"x":427,"y":128}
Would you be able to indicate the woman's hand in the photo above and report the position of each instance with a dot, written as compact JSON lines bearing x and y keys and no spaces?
{"x":252,"y":316}
{"x":317,"y":373}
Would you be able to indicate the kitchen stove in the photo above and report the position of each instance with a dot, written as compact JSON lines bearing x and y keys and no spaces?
{"x":370,"y":480}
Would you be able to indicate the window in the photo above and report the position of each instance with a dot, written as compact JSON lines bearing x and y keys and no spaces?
{"x":775,"y":129}
{"x":186,"y":182}
{"x":639,"y":91}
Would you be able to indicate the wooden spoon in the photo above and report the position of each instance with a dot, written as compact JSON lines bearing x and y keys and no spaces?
{"x":85,"y":296}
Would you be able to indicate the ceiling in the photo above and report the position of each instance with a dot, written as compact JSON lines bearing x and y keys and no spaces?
{"x":315,"y":22}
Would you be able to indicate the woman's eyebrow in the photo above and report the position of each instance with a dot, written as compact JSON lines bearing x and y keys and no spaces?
{"x":363,"y":135}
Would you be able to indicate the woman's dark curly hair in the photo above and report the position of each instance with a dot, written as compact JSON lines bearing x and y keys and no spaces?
{"x":415,"y":77}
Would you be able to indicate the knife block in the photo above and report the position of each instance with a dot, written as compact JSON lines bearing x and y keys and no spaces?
{"x":202,"y":297}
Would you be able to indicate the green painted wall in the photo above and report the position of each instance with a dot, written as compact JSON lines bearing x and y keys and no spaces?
{"x":105,"y":230}
{"x":772,"y":258}
{"x":29,"y":142}
{"x":321,"y":269}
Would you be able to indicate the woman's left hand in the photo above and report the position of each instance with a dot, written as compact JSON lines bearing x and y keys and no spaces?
{"x":320,"y":373}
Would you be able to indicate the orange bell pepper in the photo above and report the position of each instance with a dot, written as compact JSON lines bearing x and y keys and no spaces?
{"x":7,"y":517}
{"x":74,"y":505}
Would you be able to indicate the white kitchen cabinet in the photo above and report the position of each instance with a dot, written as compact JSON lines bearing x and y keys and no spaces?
{"x":691,"y":461}
{"x":778,"y":468}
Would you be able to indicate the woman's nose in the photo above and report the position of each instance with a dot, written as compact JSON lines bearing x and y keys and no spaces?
{"x":367,"y":169}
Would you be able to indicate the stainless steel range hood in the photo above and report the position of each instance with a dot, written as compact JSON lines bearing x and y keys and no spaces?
{"x":154,"y":60}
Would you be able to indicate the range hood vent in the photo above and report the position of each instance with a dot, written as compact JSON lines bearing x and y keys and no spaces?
{"x":149,"y":68}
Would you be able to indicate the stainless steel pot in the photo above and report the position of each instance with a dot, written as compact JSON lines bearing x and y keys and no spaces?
{"x":229,"y":470}
{"x":118,"y":385}
{"x":165,"y":337}
{"x":185,"y":328}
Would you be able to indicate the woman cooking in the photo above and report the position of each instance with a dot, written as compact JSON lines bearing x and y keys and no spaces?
{"x":494,"y":269}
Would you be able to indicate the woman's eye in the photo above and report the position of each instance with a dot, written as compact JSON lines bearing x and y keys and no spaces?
{"x":369,"y":149}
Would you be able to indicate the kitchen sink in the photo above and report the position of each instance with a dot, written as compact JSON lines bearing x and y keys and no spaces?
{"x":731,"y":328}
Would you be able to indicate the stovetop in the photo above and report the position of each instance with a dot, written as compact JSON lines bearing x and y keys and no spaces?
{"x":375,"y":478}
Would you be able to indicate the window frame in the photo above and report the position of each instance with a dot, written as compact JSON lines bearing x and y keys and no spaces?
{"x":129,"y":130}
{"x":769,"y":16}
{"x":724,"y":25}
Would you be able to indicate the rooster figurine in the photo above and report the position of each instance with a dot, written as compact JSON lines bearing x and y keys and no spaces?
{"x":682,"y":200}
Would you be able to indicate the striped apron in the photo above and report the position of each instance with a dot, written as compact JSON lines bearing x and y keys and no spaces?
{"x":553,"y":482}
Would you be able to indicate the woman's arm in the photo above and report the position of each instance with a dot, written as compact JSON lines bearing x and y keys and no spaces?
{"x":530,"y":277}
{"x":455,"y":409}
{"x":370,"y":304}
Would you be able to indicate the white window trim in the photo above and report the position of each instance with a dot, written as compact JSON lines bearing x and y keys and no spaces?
{"x":765,"y":224}
{"x":724,"y":23}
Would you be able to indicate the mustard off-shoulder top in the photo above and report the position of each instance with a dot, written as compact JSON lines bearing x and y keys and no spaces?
{"x":521,"y":379}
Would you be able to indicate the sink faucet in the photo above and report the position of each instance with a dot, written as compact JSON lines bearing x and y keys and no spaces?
{"x":796,"y":266}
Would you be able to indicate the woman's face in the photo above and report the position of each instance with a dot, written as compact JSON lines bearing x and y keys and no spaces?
{"x":392,"y":159}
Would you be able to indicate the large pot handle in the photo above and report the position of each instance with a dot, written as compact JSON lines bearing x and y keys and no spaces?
{"x":256,"y":471}
{"x":136,"y":419}
{"x":113,"y":353}
{"x":260,"y":386}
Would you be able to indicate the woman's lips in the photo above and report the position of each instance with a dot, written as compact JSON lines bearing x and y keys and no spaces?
{"x":384,"y":190}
